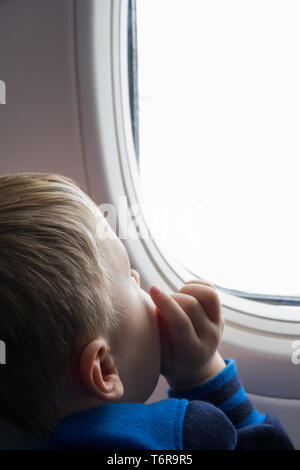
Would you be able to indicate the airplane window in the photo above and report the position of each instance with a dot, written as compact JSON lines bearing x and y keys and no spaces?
{"x":215,"y":107}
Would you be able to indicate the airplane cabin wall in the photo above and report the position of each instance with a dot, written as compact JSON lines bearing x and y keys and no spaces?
{"x":39,"y":124}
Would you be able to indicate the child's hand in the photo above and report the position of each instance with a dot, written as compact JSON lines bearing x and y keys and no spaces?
{"x":191,"y":325}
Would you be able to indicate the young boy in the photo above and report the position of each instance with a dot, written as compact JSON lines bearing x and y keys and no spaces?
{"x":85,"y":344}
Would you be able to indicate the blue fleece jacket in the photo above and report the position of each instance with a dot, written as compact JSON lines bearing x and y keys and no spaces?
{"x":215,"y":415}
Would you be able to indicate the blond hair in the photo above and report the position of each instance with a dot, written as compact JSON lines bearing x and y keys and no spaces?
{"x":55,"y":288}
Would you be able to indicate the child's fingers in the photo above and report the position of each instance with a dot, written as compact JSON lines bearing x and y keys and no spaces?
{"x":176,"y":320}
{"x":207,"y":297}
{"x":194,"y":310}
{"x":197,"y":281}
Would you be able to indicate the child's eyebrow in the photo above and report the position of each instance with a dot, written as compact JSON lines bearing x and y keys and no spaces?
{"x":126,"y":254}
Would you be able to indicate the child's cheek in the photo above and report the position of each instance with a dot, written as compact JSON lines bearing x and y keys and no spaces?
{"x":150,"y":305}
{"x":153,"y":318}
{"x":164,"y":331}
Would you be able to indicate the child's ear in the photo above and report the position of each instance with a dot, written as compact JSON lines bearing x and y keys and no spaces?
{"x":98,"y":372}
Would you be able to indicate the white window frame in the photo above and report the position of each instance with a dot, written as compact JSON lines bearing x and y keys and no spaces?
{"x":257,"y":335}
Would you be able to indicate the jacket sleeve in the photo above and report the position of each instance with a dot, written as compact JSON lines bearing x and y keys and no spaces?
{"x":221,"y":416}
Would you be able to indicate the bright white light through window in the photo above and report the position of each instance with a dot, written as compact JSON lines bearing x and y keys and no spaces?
{"x":219,"y":123}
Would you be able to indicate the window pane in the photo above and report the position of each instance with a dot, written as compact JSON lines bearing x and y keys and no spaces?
{"x":219,"y":128}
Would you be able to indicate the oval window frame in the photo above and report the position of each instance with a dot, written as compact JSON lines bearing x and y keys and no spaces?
{"x":258,"y":335}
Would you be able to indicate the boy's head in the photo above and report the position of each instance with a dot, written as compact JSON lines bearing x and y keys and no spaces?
{"x":79,"y":330}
